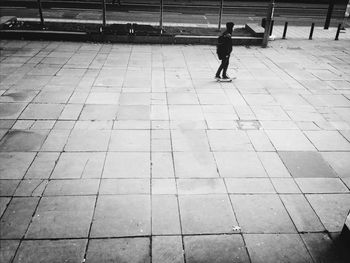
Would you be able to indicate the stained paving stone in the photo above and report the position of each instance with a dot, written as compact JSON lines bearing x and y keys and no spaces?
{"x":321,"y":185}
{"x":239,"y":164}
{"x":251,"y":214}
{"x":249,"y":186}
{"x":33,"y":251}
{"x":119,"y":250}
{"x":79,"y":165}
{"x":322,"y":248}
{"x":234,"y":141}
{"x":22,"y":141}
{"x":124,"y":186}
{"x":204,"y":214}
{"x":8,"y":250}
{"x":42,"y":111}
{"x":122,"y":165}
{"x":328,"y":140}
{"x":55,"y":141}
{"x":8,"y":187}
{"x":303,"y":216}
{"x":167,"y":249}
{"x":62,"y":217}
{"x":118,"y":216}
{"x":276,"y":248}
{"x":332,"y":209}
{"x":194,"y":165}
{"x":339,"y":161}
{"x":17,"y":217}
{"x":11,"y":110}
{"x":215,"y":248}
{"x":165,"y":215}
{"x":72,"y":187}
{"x":306,"y":164}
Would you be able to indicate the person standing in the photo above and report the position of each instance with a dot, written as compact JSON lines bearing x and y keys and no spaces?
{"x":224,"y":49}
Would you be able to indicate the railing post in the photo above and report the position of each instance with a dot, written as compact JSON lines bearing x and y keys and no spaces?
{"x":104,"y":13}
{"x":338,"y":31}
{"x":161,"y":15}
{"x":329,"y":14}
{"x":285,"y":30}
{"x":41,"y":14}
{"x":271,"y":27}
{"x":220,"y":13}
{"x":311,"y":31}
{"x":269,"y":18}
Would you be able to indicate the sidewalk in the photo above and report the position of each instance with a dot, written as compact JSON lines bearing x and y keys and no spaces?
{"x":133,"y":153}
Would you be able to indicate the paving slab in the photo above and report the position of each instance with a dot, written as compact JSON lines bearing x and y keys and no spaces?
{"x":328,"y":140}
{"x":306,"y":164}
{"x":8,"y":250}
{"x":339,"y":161}
{"x":121,"y":249}
{"x":290,"y":140}
{"x":23,"y":141}
{"x":124,"y":186}
{"x":167,"y":249}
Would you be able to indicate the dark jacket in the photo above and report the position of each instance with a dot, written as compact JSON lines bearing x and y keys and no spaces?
{"x":224,"y":46}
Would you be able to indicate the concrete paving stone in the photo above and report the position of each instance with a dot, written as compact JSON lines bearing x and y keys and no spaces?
{"x":98,"y":112}
{"x":42,"y":166}
{"x":31,"y":187}
{"x":122,"y":165}
{"x":162,"y":165}
{"x":223,"y":140}
{"x":167,"y":249}
{"x":135,"y":98}
{"x":322,"y":248}
{"x":332,"y":209}
{"x":306,"y":164}
{"x":122,"y":215}
{"x":6,"y":124}
{"x":219,"y":112}
{"x":285,"y":186}
{"x":22,"y":141}
{"x":2,"y":133}
{"x":62,"y":217}
{"x":249,"y":186}
{"x":4,"y":201}
{"x":124,"y":186}
{"x":165,"y":215}
{"x":194,"y":165}
{"x":321,"y":185}
{"x":159,"y":112}
{"x":222,"y":125}
{"x":308,"y":126}
{"x":18,"y":96}
{"x":303,"y":113}
{"x":260,"y":141}
{"x":8,"y":187}
{"x":328,"y":140}
{"x":88,"y":140}
{"x":53,"y":95}
{"x":303,"y":216}
{"x":204,"y":214}
{"x":279,"y":125}
{"x":215,"y":248}
{"x":273,"y":165}
{"x":290,"y":99}
{"x":11,"y":110}
{"x":14,"y":165}
{"x":56,"y":140}
{"x":119,"y":250}
{"x":327,"y":100}
{"x":72,"y":187}
{"x":188,"y":125}
{"x":180,"y":98}
{"x":270,"y":113}
{"x":78,"y":97}
{"x":79,"y":165}
{"x":130,"y":140}
{"x":213,"y":99}
{"x":33,"y":251}
{"x":42,"y":111}
{"x":189,"y":141}
{"x":289,"y":140}
{"x":134,"y":112}
{"x":201,"y":186}
{"x":8,"y":250}
{"x":259,"y":99}
{"x":185,"y":112}
{"x":339,"y":161}
{"x":276,"y":248}
{"x":64,"y":125}
{"x":103,"y":98}
{"x":132,"y":125}
{"x":163,"y":186}
{"x":71,"y":112}
{"x":239,"y":164}
{"x":93,"y":125}
{"x":17,"y":216}
{"x":110,"y":77}
{"x":261,"y":213}
{"x":43,"y":125}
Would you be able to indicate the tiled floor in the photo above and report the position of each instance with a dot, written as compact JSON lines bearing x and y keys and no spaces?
{"x":133,"y":153}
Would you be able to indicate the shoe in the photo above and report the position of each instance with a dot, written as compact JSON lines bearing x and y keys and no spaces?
{"x":217,"y":77}
{"x":226,"y":77}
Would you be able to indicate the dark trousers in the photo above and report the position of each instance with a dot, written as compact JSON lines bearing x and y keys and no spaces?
{"x":223,"y":66}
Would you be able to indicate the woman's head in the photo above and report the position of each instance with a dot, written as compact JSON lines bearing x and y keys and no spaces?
{"x":229,"y":27}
